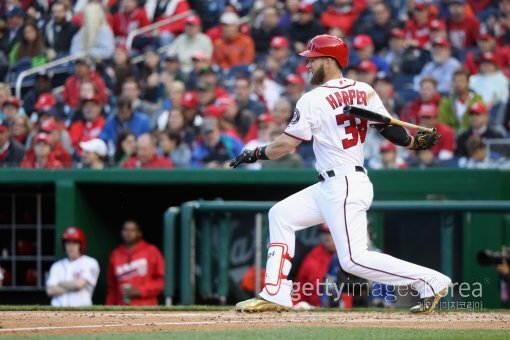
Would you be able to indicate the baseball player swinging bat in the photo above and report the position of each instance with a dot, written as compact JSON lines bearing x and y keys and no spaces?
{"x":376,"y":117}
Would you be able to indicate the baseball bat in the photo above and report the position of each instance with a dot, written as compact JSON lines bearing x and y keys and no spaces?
{"x":379,"y":118}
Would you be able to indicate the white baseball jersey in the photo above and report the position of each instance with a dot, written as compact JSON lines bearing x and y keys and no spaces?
{"x":341,"y":201}
{"x":337,"y":138}
{"x":84,"y":267}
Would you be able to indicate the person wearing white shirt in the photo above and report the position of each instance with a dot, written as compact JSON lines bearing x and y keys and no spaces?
{"x":72,"y":280}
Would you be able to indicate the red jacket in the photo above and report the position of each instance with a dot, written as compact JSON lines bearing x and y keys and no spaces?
{"x":463,"y":34}
{"x":72,"y":87}
{"x":58,"y":153}
{"x":123,"y":23}
{"x":419,"y":33}
{"x":333,"y":18}
{"x":157,"y":162}
{"x":142,"y":267}
{"x":175,"y":27}
{"x":313,"y":270}
{"x":31,"y":163}
{"x":447,"y":140}
{"x":82,"y":131}
{"x":410,"y":112}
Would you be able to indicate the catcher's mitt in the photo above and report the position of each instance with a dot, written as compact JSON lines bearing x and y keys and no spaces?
{"x":425,"y":140}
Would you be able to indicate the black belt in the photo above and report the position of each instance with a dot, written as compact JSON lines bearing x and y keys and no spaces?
{"x":331,"y":173}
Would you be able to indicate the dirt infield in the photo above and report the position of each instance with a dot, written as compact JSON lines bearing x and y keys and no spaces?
{"x":57,"y":322}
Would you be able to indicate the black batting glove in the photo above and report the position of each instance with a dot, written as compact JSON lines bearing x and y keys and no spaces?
{"x":247,"y":156}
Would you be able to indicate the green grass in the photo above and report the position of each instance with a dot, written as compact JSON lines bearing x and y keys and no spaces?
{"x":295,"y":333}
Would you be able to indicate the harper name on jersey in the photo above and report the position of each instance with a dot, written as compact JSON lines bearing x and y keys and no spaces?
{"x":337,"y":138}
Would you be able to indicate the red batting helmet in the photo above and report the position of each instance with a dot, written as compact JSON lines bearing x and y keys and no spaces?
{"x":75,"y":234}
{"x":327,"y":46}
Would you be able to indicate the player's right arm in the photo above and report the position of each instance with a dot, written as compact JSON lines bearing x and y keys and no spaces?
{"x":299,"y":129}
{"x":280,"y":147}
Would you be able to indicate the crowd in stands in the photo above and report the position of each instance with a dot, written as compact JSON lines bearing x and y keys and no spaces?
{"x":218,"y":76}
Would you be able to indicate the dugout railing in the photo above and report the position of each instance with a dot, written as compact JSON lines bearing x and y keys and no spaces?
{"x":183,"y":224}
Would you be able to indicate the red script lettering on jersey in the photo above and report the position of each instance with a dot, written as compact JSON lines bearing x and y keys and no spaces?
{"x":347,"y":97}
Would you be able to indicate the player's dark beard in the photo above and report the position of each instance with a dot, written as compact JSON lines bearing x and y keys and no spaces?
{"x":318,"y":76}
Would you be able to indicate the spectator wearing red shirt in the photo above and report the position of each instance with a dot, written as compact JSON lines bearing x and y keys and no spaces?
{"x":136,"y":270}
{"x":429,"y":117}
{"x":428,"y":94}
{"x":313,"y":270}
{"x":160,"y":10}
{"x":90,"y":126}
{"x":146,"y":155}
{"x":418,"y":27}
{"x":389,"y":157}
{"x":55,"y":131}
{"x":342,"y":14}
{"x":463,"y":29}
{"x":129,"y":18}
{"x":83,"y":71}
{"x":42,"y":156}
{"x":233,"y":48}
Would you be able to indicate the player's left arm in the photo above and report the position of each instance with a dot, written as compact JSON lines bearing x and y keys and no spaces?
{"x":397,"y":134}
{"x":280,"y":147}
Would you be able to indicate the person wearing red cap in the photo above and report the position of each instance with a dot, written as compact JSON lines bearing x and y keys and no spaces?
{"x":364,"y":46}
{"x":186,"y":45}
{"x":71,"y":281}
{"x":342,"y":14}
{"x":136,"y":270}
{"x":42,"y":157}
{"x":11,"y":151}
{"x":268,"y":29}
{"x":294,"y":87}
{"x":463,"y":30}
{"x":485,"y":43}
{"x":453,"y":108}
{"x":441,"y":67}
{"x":90,"y":126}
{"x":303,"y":29}
{"x":218,"y":111}
{"x":233,"y":48}
{"x":280,"y":62}
{"x":445,"y":147}
{"x":490,"y":82}
{"x":479,"y":128}
{"x":146,"y":155}
{"x":367,"y":72}
{"x":11,"y":108}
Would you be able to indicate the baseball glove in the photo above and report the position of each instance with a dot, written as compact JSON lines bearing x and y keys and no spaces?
{"x":425,"y":140}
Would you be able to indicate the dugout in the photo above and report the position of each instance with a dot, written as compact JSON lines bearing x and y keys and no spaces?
{"x":48,"y":201}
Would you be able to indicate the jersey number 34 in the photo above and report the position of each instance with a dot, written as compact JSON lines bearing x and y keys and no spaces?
{"x":354,"y":131}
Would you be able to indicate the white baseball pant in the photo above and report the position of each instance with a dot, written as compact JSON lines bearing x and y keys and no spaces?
{"x":341,"y":202}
